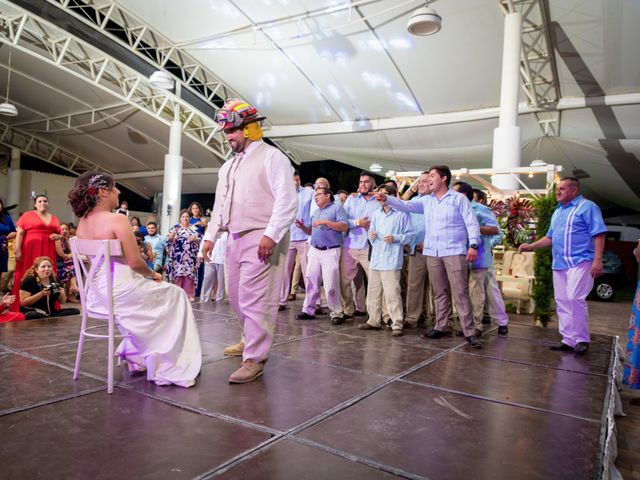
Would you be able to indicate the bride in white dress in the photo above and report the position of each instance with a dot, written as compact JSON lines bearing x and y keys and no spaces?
{"x":163,"y":338}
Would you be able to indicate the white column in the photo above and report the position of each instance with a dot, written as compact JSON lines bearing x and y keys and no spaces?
{"x":14,"y":180}
{"x":172,"y":186}
{"x":506,"y":138}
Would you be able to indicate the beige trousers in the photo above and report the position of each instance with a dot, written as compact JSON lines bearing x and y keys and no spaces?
{"x":350,"y":259}
{"x":384,"y":287}
{"x":296,"y":250}
{"x":418,"y":287}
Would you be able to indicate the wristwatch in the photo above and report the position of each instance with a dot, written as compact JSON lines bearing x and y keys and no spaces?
{"x":474,"y":246}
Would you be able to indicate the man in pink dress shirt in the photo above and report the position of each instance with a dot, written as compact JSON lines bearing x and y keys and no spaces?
{"x":256,"y":202}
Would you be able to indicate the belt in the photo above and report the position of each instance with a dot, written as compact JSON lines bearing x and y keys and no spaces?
{"x":325,"y":248}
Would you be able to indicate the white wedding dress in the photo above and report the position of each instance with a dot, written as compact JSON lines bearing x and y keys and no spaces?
{"x":163,"y":337}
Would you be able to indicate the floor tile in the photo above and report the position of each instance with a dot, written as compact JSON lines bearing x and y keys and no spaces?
{"x":596,"y":361}
{"x":289,"y":393}
{"x":411,"y":336}
{"x":438,"y":435}
{"x":226,"y":332}
{"x":551,"y":336}
{"x":94,"y":357}
{"x":287,"y":460}
{"x":123,"y":435}
{"x":368,"y":354}
{"x":25,"y":382}
{"x":38,"y":333}
{"x":540,"y":387}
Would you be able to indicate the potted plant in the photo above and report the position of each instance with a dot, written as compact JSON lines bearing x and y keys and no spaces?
{"x":543,"y":283}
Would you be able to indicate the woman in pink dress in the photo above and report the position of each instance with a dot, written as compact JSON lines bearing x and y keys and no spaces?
{"x":37,"y":232}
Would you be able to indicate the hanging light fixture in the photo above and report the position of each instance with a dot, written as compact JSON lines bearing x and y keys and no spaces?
{"x":375,"y":167}
{"x":424,"y":21}
{"x":163,"y":80}
{"x":8,"y":109}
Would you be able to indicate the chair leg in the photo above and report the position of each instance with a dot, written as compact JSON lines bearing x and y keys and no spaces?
{"x":110,"y":359}
{"x":83,"y":326}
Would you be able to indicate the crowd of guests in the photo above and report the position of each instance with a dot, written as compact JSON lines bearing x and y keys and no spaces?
{"x":366,"y":249}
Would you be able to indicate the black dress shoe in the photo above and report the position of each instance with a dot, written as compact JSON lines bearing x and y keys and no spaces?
{"x":434,"y":334}
{"x":320,"y":311}
{"x":561,"y":347}
{"x":305,"y":316}
{"x":478,"y":333}
{"x":503,"y":330}
{"x":474,"y":342}
{"x":282,"y":308}
{"x":347,"y":317}
{"x":337,"y":320}
{"x":358,"y":313}
{"x":581,"y":348}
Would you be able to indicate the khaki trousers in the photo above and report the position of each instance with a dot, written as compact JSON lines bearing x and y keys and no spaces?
{"x":450,"y":275}
{"x":484,"y":291}
{"x":384,"y":287}
{"x":296,"y":249}
{"x":417,"y":289}
{"x":350,"y":259}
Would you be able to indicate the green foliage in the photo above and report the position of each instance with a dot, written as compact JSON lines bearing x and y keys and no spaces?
{"x":543,"y":283}
{"x":514,"y":215}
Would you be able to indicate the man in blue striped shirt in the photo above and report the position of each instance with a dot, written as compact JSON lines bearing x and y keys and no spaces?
{"x":355,"y":253}
{"x":576,"y":237}
{"x":451,"y":241}
{"x":298,"y":241}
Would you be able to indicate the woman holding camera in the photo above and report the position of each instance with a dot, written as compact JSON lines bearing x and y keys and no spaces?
{"x":41,"y":294}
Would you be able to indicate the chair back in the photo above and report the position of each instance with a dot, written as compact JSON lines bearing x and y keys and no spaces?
{"x":97,"y":252}
{"x":88,"y":257}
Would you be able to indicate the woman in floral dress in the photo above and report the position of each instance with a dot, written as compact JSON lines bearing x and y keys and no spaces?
{"x":631,"y":376}
{"x":184,"y":240}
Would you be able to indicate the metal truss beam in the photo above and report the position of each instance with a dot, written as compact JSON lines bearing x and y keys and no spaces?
{"x":159,"y":173}
{"x":53,"y":45}
{"x":538,"y":71}
{"x":123,"y":27}
{"x":51,"y":153}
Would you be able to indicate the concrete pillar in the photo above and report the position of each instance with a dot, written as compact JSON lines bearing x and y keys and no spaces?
{"x":172,"y":186}
{"x":506,"y":138}
{"x":14,"y":180}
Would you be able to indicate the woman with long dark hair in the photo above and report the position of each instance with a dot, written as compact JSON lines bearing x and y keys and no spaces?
{"x":184,"y":241}
{"x":66,"y":271}
{"x":36,"y":237}
{"x":163,"y":339}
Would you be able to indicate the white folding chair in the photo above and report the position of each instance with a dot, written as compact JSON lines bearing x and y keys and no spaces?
{"x":96,"y":253}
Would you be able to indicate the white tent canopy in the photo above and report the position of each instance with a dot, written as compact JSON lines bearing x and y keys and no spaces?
{"x":337,"y":79}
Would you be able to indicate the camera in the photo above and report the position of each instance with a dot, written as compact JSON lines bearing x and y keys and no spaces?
{"x":54,"y":287}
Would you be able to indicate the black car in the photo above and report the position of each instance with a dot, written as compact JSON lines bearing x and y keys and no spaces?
{"x":612,"y":278}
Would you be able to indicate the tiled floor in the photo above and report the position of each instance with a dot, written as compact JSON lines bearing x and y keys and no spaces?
{"x":334,"y":402}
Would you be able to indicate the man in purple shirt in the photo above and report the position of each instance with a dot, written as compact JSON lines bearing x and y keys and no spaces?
{"x":451,"y":241}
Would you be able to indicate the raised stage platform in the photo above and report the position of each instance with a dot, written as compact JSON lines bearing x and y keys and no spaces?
{"x":334,"y":402}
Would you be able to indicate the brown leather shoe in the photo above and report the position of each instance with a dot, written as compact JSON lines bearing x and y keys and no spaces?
{"x":248,"y":371}
{"x":368,"y":326}
{"x":234,"y":350}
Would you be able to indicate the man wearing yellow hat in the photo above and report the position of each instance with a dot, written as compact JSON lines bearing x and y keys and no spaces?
{"x":256,"y":202}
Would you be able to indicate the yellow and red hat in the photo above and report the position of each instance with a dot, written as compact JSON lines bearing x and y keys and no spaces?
{"x":236,"y":113}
